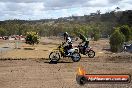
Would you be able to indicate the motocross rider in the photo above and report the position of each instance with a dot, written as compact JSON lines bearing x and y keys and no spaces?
{"x":84,"y":41}
{"x":68,"y":43}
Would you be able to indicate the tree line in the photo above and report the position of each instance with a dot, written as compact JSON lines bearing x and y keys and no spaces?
{"x":94,"y":25}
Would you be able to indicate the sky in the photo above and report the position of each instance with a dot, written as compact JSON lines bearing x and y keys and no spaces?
{"x":46,"y":9}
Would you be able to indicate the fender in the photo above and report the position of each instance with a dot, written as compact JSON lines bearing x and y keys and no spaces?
{"x":89,"y":48}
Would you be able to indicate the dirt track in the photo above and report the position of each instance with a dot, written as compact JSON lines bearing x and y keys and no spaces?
{"x":41,"y":74}
{"x":38,"y":73}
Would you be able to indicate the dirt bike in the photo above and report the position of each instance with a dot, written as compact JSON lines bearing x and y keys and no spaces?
{"x":127,"y":48}
{"x":88,"y":51}
{"x":56,"y":54}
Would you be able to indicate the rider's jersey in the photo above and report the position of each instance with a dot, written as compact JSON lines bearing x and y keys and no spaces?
{"x":68,"y":40}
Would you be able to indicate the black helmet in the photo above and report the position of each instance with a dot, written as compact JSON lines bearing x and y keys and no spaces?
{"x":66,"y":34}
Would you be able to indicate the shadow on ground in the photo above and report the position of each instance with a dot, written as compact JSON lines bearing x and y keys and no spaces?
{"x":49,"y":62}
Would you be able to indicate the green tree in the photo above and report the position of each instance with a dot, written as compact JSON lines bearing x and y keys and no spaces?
{"x":32,"y":38}
{"x":131,"y":33}
{"x":95,"y":32}
{"x":126,"y":31}
{"x":116,"y":41}
{"x":2,"y":31}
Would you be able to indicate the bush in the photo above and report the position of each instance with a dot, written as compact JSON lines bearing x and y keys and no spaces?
{"x":32,"y":38}
{"x":2,"y":31}
{"x":126,"y":31}
{"x":116,"y":41}
{"x":96,"y":36}
{"x":131,"y":34}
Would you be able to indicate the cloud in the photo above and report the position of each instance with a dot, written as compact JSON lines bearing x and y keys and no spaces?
{"x":21,"y":1}
{"x":40,"y":9}
{"x":125,"y":5}
{"x":65,"y":4}
{"x":114,"y":1}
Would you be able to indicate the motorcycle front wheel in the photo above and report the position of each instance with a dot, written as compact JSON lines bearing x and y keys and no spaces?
{"x":76,"y":57}
{"x":54,"y":56}
{"x":91,"y":54}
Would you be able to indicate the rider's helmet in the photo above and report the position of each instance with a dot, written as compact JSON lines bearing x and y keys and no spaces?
{"x":65,"y":34}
